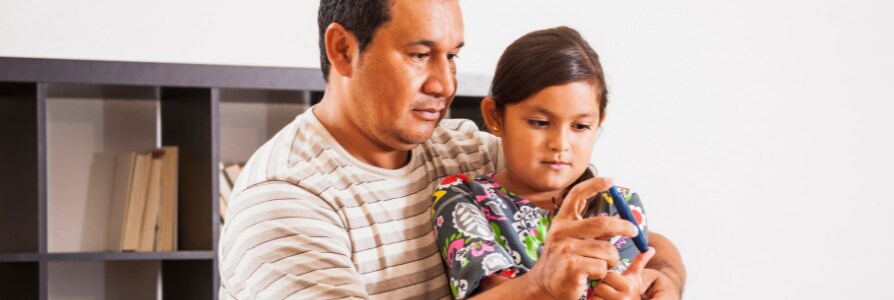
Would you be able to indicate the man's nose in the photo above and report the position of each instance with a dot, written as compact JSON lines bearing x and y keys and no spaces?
{"x":441,"y":79}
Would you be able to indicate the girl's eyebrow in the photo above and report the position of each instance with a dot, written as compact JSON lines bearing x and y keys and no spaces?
{"x":548,"y":113}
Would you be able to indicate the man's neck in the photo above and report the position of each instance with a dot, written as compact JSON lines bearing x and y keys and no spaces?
{"x":355,"y":141}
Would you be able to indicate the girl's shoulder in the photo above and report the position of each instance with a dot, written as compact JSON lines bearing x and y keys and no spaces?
{"x":465,"y":182}
{"x":462,"y":186}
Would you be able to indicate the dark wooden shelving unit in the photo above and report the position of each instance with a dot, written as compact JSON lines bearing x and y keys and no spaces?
{"x":188,"y":97}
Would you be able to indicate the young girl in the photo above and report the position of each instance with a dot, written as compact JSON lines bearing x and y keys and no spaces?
{"x":547,"y":103}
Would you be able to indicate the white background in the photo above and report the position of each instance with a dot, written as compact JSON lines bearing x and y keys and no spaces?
{"x":758,"y":133}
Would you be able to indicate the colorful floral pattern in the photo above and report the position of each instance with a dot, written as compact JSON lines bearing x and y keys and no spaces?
{"x":485,"y":230}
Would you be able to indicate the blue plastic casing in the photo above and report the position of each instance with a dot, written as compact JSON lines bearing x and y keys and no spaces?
{"x":624,"y":211}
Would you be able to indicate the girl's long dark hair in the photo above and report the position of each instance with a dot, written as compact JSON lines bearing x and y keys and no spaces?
{"x":546,"y":58}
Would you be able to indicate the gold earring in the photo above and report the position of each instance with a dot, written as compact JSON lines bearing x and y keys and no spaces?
{"x":496,"y":128}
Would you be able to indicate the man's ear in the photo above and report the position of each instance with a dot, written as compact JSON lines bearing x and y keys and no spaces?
{"x":492,"y":116}
{"x":340,"y":48}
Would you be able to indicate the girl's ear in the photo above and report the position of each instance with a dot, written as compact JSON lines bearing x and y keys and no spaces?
{"x":492,"y":116}
{"x":340,"y":46}
{"x":601,"y":118}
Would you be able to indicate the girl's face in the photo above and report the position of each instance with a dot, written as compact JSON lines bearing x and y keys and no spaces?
{"x":548,"y":138}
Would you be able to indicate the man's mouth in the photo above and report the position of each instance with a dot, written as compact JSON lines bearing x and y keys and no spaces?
{"x":427,"y":114}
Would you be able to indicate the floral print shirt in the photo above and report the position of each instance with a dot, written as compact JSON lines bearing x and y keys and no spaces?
{"x":484,"y":230}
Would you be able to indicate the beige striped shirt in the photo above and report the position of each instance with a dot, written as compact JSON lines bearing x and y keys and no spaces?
{"x":309,"y":221}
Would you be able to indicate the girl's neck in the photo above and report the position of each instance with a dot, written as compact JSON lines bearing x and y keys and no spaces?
{"x":543,"y":199}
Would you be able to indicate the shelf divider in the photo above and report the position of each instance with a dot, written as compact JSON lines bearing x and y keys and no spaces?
{"x":189,"y":120}
{"x":22,"y":175}
{"x":109,"y":256}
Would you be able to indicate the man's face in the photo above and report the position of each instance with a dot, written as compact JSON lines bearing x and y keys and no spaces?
{"x":405,"y":79}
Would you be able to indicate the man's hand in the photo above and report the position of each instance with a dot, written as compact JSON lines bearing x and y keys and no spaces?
{"x":578,"y":249}
{"x":659,"y":286}
{"x":665,"y":274}
{"x":627,"y":285}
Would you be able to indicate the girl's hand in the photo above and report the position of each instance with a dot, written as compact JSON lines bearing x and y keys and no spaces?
{"x":627,"y":285}
{"x":578,"y":248}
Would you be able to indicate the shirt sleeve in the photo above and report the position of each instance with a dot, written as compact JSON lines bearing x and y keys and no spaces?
{"x":494,"y":147}
{"x":282,"y":242}
{"x":465,"y":237}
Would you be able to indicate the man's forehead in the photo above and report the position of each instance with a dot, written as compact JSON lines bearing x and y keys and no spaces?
{"x":432,"y":23}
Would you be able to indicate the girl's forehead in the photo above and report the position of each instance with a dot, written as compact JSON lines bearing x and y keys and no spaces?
{"x":574,"y":99}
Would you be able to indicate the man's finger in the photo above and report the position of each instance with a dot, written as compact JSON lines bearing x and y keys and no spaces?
{"x":608,"y":291}
{"x":594,"y":268}
{"x":615,"y":281}
{"x":574,"y":203}
{"x":601,"y":227}
{"x":639,"y":262}
{"x":597,"y":249}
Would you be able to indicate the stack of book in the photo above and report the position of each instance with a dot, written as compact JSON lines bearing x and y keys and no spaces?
{"x":228,"y":176}
{"x":144,"y":204}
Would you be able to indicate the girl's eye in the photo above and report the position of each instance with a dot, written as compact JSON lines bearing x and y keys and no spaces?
{"x":452,"y":56}
{"x":582,"y":127}
{"x":538,"y":123}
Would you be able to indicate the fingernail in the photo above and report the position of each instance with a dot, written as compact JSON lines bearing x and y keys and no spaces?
{"x":634,"y":229}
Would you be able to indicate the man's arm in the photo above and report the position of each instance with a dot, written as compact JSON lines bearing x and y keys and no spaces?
{"x":668,"y":281}
{"x":282,"y":242}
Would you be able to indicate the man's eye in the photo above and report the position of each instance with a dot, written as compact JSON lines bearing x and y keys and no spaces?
{"x":421,"y":55}
{"x":538,"y":123}
{"x":452,"y":56}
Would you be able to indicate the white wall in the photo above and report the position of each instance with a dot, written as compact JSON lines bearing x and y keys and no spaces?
{"x":757,"y":132}
{"x":263,"y":33}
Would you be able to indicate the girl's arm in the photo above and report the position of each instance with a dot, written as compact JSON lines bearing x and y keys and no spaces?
{"x":465,"y":237}
{"x":491,"y":282}
{"x":499,"y":287}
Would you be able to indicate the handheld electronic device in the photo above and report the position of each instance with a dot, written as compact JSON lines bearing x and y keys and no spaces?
{"x":621,"y":205}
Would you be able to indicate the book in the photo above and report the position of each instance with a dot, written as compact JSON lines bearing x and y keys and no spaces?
{"x":123,"y":180}
{"x":222,"y":207}
{"x":232,"y":172}
{"x":149,"y":227}
{"x":136,"y":203}
{"x":167,"y":227}
{"x":224,"y":192}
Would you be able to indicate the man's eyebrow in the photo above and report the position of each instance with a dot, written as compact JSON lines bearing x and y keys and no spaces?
{"x":427,"y":43}
{"x":430,"y":43}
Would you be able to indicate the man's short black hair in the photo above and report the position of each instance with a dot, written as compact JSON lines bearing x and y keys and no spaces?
{"x":360,"y":17}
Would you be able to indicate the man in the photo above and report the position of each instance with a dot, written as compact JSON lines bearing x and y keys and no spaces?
{"x":336,"y":205}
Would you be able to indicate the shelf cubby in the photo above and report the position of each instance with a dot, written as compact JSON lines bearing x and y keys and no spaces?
{"x":20,"y":279}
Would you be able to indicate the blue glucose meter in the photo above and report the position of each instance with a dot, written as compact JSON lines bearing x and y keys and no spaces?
{"x":624,"y":211}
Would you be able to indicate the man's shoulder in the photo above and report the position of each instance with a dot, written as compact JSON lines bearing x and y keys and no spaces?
{"x":461,"y":132}
{"x":450,"y":129}
{"x":297,"y":147}
{"x":462,"y":143}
